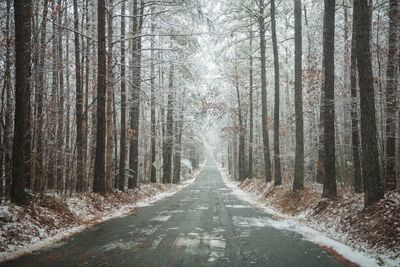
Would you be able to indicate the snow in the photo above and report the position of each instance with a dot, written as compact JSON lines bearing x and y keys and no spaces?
{"x":296,"y":224}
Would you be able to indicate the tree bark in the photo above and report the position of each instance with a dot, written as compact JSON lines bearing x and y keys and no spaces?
{"x":137,"y":25}
{"x":264,"y":119}
{"x":153,"y":172}
{"x":23,"y":13}
{"x":122,"y":142}
{"x":355,"y":133}
{"x":99,"y":169}
{"x":178,"y":149}
{"x":167,"y":152}
{"x":277,"y":159}
{"x":110,"y":83}
{"x":329,"y":186}
{"x":39,"y":177}
{"x":78,"y":104}
{"x":391,"y":88}
{"x":60,"y":106}
{"x":251,"y":108}
{"x":370,"y":162}
{"x":299,"y":157}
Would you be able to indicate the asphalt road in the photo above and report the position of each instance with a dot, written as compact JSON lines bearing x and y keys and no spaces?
{"x":202,"y":225}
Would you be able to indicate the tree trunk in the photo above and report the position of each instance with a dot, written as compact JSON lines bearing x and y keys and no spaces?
{"x":329,"y":188}
{"x":60,"y":110}
{"x":78,"y":105}
{"x":167,"y":152}
{"x":178,"y":149}
{"x":122,"y":142}
{"x":264,"y":119}
{"x":99,"y":169}
{"x":355,"y":133}
{"x":277,"y":159}
{"x":109,"y":155}
{"x":370,"y":162}
{"x":23,"y":13}
{"x":153,"y":172}
{"x":251,"y":108}
{"x":53,"y":105}
{"x":241,"y":133}
{"x":135,"y":108}
{"x":7,"y":133}
{"x":298,"y":91}
{"x":39,"y":177}
{"x":391,"y":88}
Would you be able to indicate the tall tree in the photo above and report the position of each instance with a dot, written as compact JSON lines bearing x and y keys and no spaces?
{"x":355,"y":132}
{"x":298,"y":91}
{"x":122,"y":142}
{"x":23,"y":11}
{"x":251,"y":108}
{"x":60,"y":105}
{"x":110,"y":85}
{"x":391,"y":86}
{"x":78,"y":104}
{"x":178,"y":147}
{"x":52,"y":128}
{"x":370,"y":162}
{"x":7,"y":135}
{"x":167,"y":150}
{"x":39,"y":101}
{"x":329,"y":188}
{"x":264,"y":119}
{"x":137,"y":25}
{"x":242,"y":132}
{"x":153,"y":172}
{"x":99,"y":169}
{"x":277,"y":159}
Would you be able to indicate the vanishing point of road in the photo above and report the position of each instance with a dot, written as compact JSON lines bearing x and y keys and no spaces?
{"x":202,"y":225}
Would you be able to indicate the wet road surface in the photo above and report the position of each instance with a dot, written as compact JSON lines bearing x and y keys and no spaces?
{"x":202,"y":225}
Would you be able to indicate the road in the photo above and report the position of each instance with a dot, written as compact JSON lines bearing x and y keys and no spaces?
{"x":202,"y":225}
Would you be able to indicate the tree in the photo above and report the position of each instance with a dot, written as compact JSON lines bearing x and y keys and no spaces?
{"x":178,"y":147}
{"x":122,"y":150}
{"x":277,"y":159}
{"x":60,"y":106}
{"x":99,"y":169}
{"x":329,"y":188}
{"x":39,"y":102}
{"x":153,"y":171}
{"x":370,"y":162}
{"x":299,"y":157}
{"x":137,"y":25}
{"x":22,"y":19}
{"x":167,"y":152}
{"x":8,"y":131}
{"x":264,"y":119}
{"x":110,"y":85}
{"x":391,"y":86}
{"x":251,"y":108}
{"x":78,"y":104}
{"x":355,"y":132}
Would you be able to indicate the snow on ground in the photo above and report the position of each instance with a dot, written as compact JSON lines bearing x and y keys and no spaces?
{"x":52,"y":218}
{"x":341,"y":227}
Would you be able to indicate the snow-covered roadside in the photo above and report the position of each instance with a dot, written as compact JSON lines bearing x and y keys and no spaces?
{"x":307,"y":228}
{"x":27,"y":229}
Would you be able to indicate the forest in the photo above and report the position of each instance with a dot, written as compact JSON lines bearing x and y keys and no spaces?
{"x":107,"y":103}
